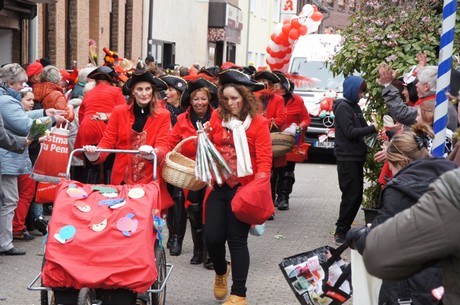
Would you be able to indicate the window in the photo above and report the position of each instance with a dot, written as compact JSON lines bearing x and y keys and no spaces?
{"x":262,"y":60}
{"x":253,"y":6}
{"x":250,"y":57}
{"x":264,"y":13}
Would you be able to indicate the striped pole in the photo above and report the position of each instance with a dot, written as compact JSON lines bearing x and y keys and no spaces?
{"x":444,"y":71}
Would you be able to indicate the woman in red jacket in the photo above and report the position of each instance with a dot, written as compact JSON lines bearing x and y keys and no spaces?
{"x":94,"y":113}
{"x":241,"y":135}
{"x":272,"y":107}
{"x":197,"y":99}
{"x":138,"y":125}
{"x":297,"y":113}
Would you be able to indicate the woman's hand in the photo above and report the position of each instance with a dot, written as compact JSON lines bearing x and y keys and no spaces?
{"x":90,"y":152}
{"x":60,"y":119}
{"x":146,"y":151}
{"x":100,"y":116}
{"x":380,"y":156}
{"x":421,"y":57}
{"x":53,"y":112}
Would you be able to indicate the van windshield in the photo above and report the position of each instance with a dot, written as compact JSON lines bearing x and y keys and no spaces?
{"x":322,"y":77}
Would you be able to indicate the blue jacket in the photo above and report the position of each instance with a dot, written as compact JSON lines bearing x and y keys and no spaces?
{"x":17,"y":122}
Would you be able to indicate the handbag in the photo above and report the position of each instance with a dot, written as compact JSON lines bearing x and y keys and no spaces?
{"x":319,"y":276}
{"x":53,"y":157}
{"x":253,"y":202}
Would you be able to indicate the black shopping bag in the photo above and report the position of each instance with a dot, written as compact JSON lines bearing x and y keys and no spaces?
{"x":319,"y":276}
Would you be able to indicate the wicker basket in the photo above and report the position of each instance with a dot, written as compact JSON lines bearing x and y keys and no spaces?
{"x":179,"y":170}
{"x":281,"y":143}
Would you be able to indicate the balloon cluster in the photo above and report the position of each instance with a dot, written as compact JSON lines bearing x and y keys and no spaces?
{"x":286,"y":34}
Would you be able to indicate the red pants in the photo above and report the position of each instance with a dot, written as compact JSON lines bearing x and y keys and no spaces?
{"x":26,"y":191}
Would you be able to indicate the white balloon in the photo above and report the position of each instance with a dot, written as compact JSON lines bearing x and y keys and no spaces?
{"x":270,"y":60}
{"x":278,"y":28}
{"x":312,"y":26}
{"x":276,"y":48}
{"x":282,"y":48}
{"x":307,"y":10}
{"x":272,"y":44}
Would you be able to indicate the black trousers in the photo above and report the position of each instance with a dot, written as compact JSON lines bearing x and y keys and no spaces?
{"x":351,"y":180}
{"x":222,"y":226}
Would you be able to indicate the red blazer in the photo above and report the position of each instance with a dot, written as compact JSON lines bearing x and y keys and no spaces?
{"x":184,"y":129}
{"x":118,"y":134}
{"x":275,"y":108}
{"x":259,"y":142}
{"x":103,"y":98}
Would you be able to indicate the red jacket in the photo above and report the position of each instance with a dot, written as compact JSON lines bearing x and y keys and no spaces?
{"x":259,"y":142}
{"x":275,"y":108}
{"x":184,"y":129}
{"x":118,"y":135}
{"x":103,"y":98}
{"x":51,"y":95}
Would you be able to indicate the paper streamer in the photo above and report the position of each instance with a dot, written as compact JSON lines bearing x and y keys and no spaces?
{"x":444,"y":71}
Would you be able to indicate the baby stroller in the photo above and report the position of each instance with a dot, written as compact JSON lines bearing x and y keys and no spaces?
{"x":104,"y":244}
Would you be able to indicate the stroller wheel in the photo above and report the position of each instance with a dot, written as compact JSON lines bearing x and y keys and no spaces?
{"x":84,"y":297}
{"x":160,"y":261}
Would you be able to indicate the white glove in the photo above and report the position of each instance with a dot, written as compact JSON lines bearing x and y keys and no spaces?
{"x":146,"y":152}
{"x":90,"y":152}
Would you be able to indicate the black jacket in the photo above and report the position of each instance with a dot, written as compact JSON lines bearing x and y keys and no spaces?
{"x":402,"y":192}
{"x":350,"y":128}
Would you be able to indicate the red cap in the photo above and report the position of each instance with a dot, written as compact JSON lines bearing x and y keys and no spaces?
{"x":34,"y":69}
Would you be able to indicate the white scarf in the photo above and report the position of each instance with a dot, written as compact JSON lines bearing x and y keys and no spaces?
{"x":243,"y":159}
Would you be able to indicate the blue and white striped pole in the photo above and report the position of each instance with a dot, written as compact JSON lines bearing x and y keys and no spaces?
{"x":444,"y":71}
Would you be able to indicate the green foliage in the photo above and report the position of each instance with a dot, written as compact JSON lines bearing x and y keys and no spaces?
{"x":390,"y":31}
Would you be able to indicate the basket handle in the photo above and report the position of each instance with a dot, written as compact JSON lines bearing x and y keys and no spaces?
{"x":182,"y":142}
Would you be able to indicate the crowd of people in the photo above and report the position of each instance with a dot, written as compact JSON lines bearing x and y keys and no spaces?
{"x":152,"y":110}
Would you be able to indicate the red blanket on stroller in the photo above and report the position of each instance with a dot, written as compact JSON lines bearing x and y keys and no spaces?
{"x":102,"y":236}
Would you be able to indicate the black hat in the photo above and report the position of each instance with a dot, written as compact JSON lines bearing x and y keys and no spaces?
{"x":232,"y":76}
{"x":283,"y":80}
{"x":196,"y":84}
{"x":176,"y":82}
{"x":103,"y":73}
{"x":211,"y":71}
{"x":249,"y":70}
{"x":271,"y":77}
{"x":143,"y":76}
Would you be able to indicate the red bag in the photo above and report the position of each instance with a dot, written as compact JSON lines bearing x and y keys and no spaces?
{"x":45,"y":192}
{"x":253,"y":202}
{"x":52,"y":160}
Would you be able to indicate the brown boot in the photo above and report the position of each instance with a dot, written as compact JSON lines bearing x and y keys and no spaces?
{"x":235,"y":300}
{"x":220,"y":284}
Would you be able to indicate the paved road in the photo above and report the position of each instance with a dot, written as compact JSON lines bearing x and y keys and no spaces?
{"x":307,"y":225}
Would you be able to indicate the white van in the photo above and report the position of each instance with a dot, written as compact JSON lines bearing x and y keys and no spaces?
{"x":308,"y":59}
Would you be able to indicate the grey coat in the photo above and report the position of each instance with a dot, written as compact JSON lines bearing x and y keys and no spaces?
{"x":428,"y":231}
{"x":17,"y":122}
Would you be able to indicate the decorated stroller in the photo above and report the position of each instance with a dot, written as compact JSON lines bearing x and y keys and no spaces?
{"x":104,"y":244}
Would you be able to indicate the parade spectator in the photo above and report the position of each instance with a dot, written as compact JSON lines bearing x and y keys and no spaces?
{"x":94,"y":113}
{"x":177,"y":215}
{"x":236,"y":121}
{"x":139,"y":125}
{"x":17,"y":122}
{"x":413,"y":171}
{"x":50,"y":94}
{"x":33,"y":72}
{"x":151,"y":64}
{"x":350,"y":151}
{"x":77,"y":91}
{"x":297,"y":113}
{"x":418,"y":236}
{"x":197,"y":101}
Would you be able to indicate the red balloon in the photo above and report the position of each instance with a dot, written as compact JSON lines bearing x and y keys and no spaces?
{"x":303,"y":30}
{"x":295,"y":23}
{"x":269,"y":51}
{"x":278,"y":39}
{"x":288,"y":50}
{"x":316,"y":16}
{"x":287,"y":21}
{"x":294,"y":34}
{"x":286,"y":43}
{"x":273,"y":37}
{"x":285,"y":29}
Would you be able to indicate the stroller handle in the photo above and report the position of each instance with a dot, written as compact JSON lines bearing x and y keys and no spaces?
{"x":117,"y":151}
